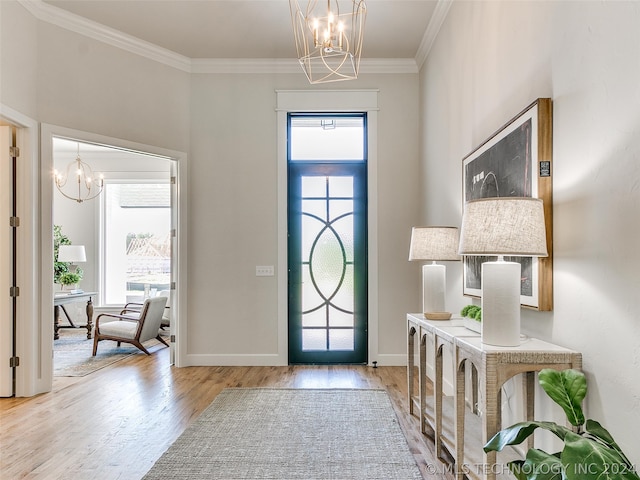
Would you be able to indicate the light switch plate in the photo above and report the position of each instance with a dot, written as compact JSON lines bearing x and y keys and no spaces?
{"x":264,"y":271}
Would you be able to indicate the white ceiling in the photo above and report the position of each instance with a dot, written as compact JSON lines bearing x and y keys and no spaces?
{"x":252,"y":29}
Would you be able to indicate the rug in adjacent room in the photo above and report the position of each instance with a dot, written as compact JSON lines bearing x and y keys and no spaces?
{"x":286,"y":434}
{"x":72,"y":353}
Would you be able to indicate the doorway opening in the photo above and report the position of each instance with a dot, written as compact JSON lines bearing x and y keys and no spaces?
{"x":129,"y":231}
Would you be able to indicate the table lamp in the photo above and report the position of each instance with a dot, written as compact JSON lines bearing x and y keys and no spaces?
{"x":512,"y":226}
{"x":72,"y":254}
{"x":434,"y":244}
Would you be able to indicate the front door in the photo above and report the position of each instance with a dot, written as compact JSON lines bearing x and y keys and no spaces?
{"x":327,"y":248}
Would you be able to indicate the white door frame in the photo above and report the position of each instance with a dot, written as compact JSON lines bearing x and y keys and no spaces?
{"x":334,"y":101}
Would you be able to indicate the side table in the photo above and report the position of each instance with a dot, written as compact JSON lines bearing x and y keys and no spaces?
{"x":62,"y":299}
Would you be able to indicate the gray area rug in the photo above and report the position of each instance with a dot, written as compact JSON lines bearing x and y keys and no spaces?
{"x":72,"y":353}
{"x":287,"y":434}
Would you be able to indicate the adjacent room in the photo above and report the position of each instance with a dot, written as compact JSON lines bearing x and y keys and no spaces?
{"x":379,"y":243}
{"x":117,"y":223}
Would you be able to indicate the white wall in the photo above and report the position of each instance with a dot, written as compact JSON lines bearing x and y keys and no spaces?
{"x":90,"y":86}
{"x":492,"y":59}
{"x":234,"y":210}
{"x":227,"y":125}
{"x":19,"y":55}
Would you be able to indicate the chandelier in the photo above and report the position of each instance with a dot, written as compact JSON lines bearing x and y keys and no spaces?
{"x":83,"y":179}
{"x":328,"y":39}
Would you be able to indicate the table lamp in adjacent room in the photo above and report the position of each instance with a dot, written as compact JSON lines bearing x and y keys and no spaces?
{"x":72,"y":254}
{"x":505,"y":226}
{"x":434,"y":244}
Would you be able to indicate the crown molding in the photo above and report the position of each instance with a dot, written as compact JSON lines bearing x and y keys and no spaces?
{"x":388,"y":65}
{"x":439,"y":15}
{"x":83,"y":26}
{"x":282,"y":66}
{"x":244,"y":65}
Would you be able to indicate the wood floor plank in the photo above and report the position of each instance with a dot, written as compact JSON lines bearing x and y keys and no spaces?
{"x":115,"y":423}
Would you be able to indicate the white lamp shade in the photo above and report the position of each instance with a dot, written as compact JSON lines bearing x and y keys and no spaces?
{"x":434,"y":243}
{"x":72,"y":253}
{"x":512,"y":226}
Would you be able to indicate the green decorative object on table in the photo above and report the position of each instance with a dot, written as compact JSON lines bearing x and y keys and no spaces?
{"x":70,"y":278}
{"x":589,"y":452}
{"x":472,"y":311}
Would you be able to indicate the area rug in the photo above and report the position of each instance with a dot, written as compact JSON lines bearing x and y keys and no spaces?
{"x":287,"y":434}
{"x":72,"y":353}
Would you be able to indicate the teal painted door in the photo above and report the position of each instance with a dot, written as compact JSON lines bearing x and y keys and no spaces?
{"x":327,"y":259}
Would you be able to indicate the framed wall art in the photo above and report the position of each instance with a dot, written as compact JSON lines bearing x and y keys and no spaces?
{"x":516,"y":161}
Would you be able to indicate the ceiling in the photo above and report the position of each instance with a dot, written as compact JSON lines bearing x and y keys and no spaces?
{"x":251,"y":29}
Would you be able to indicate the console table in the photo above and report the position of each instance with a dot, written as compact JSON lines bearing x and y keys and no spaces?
{"x":491,"y":367}
{"x":62,"y":299}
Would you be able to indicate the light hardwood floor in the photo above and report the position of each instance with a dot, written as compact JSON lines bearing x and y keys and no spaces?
{"x":115,"y":423}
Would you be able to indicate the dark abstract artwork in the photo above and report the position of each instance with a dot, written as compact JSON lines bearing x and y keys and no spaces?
{"x":506,"y":165}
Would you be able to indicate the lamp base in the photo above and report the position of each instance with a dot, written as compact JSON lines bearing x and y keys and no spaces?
{"x":501,"y":303}
{"x":433,"y":287}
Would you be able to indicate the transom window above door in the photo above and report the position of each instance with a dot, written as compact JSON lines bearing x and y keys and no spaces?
{"x":327,"y":138}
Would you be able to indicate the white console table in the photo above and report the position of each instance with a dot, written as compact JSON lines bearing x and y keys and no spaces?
{"x":492,"y":366}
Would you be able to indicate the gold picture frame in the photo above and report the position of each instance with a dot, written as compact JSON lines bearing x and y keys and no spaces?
{"x":516,"y":161}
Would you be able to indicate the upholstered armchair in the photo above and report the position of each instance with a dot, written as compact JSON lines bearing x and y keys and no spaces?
{"x":134,"y":326}
{"x":166,"y":316}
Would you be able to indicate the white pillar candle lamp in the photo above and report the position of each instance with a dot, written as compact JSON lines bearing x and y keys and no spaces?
{"x":434,"y":244}
{"x":511,"y":226}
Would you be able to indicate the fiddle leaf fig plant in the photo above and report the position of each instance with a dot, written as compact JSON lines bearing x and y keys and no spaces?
{"x":568,"y":389}
{"x":62,"y":273}
{"x":589,"y":453}
{"x":59,"y":268}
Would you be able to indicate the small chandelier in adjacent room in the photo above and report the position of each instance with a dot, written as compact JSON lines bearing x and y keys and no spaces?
{"x":82,"y":183}
{"x":329,"y":38}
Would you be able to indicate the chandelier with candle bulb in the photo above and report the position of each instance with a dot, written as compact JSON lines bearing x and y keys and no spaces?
{"x":78,"y":183}
{"x":329,"y":37}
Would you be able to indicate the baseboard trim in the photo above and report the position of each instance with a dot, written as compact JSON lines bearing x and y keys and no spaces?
{"x":390,"y":360}
{"x":273,"y":360}
{"x":244,"y":360}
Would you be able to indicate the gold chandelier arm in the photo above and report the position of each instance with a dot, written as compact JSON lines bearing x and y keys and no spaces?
{"x":95,"y":194}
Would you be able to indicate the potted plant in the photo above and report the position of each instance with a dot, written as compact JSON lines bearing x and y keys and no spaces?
{"x":473,"y":317}
{"x":69,"y":280}
{"x":589,"y":452}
